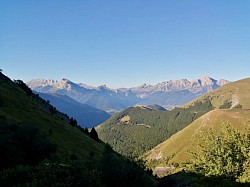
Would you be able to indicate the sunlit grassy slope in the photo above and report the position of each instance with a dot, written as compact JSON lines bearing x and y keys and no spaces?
{"x":235,"y":92}
{"x":174,"y":149}
{"x":18,"y":108}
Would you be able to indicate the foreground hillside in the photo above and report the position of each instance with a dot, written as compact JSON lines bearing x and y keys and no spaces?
{"x":18,"y":108}
{"x":138,"y":129}
{"x":40,"y":148}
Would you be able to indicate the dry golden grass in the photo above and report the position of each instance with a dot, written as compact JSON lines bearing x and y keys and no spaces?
{"x":187,"y":139}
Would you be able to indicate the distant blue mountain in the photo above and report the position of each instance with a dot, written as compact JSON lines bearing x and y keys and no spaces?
{"x":85,"y":115}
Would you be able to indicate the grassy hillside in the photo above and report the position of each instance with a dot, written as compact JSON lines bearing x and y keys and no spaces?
{"x":17,"y":108}
{"x":231,"y":95}
{"x":174,"y":150}
{"x":139,"y":129}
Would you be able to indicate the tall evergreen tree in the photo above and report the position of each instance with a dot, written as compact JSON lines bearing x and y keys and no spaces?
{"x":93,"y":134}
{"x":86,"y":131}
{"x":73,"y":122}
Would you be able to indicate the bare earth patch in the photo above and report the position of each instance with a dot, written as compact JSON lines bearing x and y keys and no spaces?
{"x":161,"y":171}
{"x":125,"y":119}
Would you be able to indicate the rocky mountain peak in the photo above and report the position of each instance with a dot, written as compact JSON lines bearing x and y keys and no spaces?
{"x":102,"y":87}
{"x":65,"y":80}
{"x":41,"y":82}
{"x":206,"y":81}
{"x":222,"y":82}
{"x":168,"y":93}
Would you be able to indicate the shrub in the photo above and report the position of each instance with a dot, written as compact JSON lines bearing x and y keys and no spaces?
{"x":224,"y":155}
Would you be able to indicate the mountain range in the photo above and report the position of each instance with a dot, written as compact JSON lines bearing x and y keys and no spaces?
{"x":163,"y":138}
{"x":168,"y":94}
{"x":99,"y":97}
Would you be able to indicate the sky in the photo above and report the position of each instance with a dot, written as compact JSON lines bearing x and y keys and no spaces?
{"x":124,"y":43}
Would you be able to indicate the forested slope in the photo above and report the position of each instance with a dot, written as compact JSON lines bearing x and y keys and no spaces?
{"x":137,"y":129}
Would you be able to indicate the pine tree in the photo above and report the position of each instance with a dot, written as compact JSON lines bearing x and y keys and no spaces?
{"x":86,"y":131}
{"x":73,"y":122}
{"x":93,"y":134}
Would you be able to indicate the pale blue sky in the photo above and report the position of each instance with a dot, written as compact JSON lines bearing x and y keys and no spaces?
{"x":124,"y":43}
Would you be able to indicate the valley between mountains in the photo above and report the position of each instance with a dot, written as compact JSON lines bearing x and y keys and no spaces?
{"x":149,"y":135}
{"x":103,"y":101}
